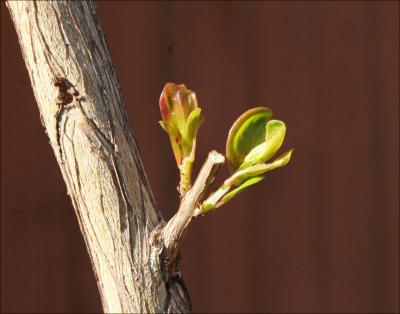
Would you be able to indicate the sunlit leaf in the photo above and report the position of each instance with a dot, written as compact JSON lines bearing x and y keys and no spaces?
{"x":181,"y":119}
{"x":211,"y":202}
{"x":163,"y":125}
{"x":247,"y":132}
{"x":242,"y":175}
{"x":192,"y":125}
{"x":241,"y":187}
{"x":275,"y":134}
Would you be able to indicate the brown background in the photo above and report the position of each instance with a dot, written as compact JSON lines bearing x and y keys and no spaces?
{"x":320,"y":235}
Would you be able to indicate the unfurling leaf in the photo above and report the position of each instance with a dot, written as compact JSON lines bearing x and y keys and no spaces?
{"x":242,"y":179}
{"x":212,"y":201}
{"x":192,"y":125}
{"x":241,"y":187}
{"x":181,"y":120}
{"x":247,"y":132}
{"x":253,"y":140}
{"x":274,"y":136}
{"x":242,"y":175}
{"x":163,"y":125}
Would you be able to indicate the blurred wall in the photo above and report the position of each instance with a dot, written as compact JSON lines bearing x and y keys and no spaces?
{"x":320,"y":235}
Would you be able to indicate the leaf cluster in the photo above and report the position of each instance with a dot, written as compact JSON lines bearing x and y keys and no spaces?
{"x":253,"y":140}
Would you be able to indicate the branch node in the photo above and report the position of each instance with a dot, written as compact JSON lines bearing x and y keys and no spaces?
{"x":173,"y":232}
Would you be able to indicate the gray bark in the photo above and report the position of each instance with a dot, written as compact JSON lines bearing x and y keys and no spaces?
{"x":82,"y":110}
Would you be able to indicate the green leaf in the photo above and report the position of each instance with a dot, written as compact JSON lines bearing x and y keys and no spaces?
{"x":181,"y":119}
{"x":192,"y":125}
{"x":187,"y":99}
{"x":176,"y":149}
{"x":175,"y":139}
{"x":274,"y":136}
{"x":172,"y":101}
{"x":165,"y":103}
{"x":163,"y":125}
{"x":193,"y":101}
{"x":211,"y":202}
{"x":242,"y":175}
{"x":241,"y":187}
{"x":247,"y":132}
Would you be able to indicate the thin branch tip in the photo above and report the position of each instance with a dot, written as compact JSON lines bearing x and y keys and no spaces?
{"x":216,"y":157}
{"x":174,"y":230}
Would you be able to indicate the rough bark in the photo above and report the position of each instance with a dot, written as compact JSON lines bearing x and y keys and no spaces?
{"x":81,"y":107}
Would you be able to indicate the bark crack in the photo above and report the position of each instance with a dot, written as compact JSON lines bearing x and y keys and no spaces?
{"x":47,"y":50}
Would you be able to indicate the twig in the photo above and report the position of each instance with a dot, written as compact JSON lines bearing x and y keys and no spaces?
{"x":174,"y":230}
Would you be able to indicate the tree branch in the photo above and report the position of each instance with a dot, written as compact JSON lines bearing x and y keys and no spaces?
{"x":83,"y":112}
{"x":173,"y":232}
